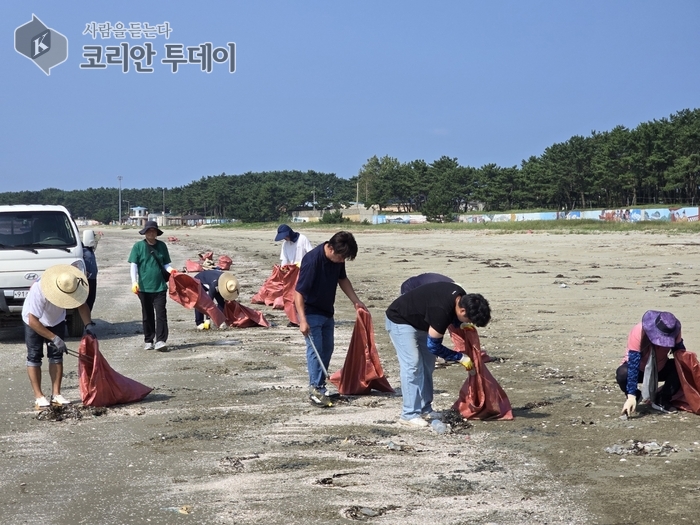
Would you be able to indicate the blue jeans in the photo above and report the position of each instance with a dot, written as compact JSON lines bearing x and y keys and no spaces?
{"x":416,"y":364}
{"x":321,"y":331}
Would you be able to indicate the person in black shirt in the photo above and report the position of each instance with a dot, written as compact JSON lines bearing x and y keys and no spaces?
{"x":416,"y":322}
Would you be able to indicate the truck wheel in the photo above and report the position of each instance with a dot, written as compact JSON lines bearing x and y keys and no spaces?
{"x":74,"y":324}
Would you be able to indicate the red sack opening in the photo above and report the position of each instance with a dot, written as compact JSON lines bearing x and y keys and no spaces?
{"x":100,"y":385}
{"x":193,"y":267}
{"x":188,"y":291}
{"x":243,"y":317}
{"x":481,"y":397}
{"x":688,"y":397}
{"x":278,"y":290}
{"x":362,"y":372}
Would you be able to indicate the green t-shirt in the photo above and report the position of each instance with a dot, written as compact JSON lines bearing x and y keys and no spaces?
{"x":150,"y":276}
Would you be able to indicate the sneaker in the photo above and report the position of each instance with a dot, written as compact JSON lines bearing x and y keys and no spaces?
{"x":204,"y":326}
{"x":41,"y":403}
{"x":148,"y":346}
{"x":318,"y":397}
{"x":161,"y":346}
{"x":59,"y":401}
{"x":416,"y":422}
{"x":432,"y":415}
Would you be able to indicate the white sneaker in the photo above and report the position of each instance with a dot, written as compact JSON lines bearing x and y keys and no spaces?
{"x":148,"y":346}
{"x":416,"y":422}
{"x":59,"y":401}
{"x":41,"y":403}
{"x":161,"y":346}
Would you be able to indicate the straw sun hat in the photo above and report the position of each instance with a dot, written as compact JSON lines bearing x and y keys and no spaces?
{"x":228,"y":286}
{"x":65,"y":286}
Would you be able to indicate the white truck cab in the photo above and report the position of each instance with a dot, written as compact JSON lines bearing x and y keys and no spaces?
{"x":33,"y":238}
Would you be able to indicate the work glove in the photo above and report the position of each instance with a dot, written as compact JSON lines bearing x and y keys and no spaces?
{"x":630,"y":405}
{"x":172,"y":271}
{"x":467,"y":363}
{"x":88,"y":329}
{"x":135,"y":288}
{"x":59,"y":344}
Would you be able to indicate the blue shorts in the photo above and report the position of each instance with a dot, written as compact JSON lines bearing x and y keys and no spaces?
{"x":35,"y":345}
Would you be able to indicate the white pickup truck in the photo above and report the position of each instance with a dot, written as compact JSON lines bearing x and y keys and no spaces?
{"x":33,"y":238}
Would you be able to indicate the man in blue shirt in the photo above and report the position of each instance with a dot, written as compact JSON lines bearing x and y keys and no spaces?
{"x":322,"y":271}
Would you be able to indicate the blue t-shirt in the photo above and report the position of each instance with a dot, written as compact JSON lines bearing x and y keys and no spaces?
{"x":318,"y":281}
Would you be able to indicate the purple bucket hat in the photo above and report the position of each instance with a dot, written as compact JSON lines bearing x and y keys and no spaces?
{"x":661,"y":328}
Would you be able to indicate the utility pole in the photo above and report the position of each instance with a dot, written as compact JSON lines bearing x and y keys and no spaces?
{"x":120,"y":199}
{"x":163,"y":207}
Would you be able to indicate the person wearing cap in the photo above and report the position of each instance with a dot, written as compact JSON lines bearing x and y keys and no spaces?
{"x":648,"y":345}
{"x":89,"y":245}
{"x":150,"y":265}
{"x":417,"y":321}
{"x":322,"y":272}
{"x":220,"y":286}
{"x":61,"y":287}
{"x":294,"y":247}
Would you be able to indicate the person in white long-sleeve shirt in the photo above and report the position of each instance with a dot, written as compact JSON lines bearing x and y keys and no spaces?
{"x":294,"y":247}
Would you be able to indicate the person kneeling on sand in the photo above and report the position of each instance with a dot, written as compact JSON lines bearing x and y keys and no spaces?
{"x":648,"y":345}
{"x":61,"y":287}
{"x":417,"y":322}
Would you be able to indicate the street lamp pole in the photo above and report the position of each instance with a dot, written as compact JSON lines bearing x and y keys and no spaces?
{"x":120,"y":199}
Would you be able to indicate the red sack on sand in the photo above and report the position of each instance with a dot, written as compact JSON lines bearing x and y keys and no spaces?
{"x":688,"y":397}
{"x":362,"y":372}
{"x":242,"y":317}
{"x":193,"y":267}
{"x":278,"y":290}
{"x":481,"y":397}
{"x":188,"y":291}
{"x":100,"y":385}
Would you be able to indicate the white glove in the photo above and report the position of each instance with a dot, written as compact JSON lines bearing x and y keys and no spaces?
{"x":630,"y":405}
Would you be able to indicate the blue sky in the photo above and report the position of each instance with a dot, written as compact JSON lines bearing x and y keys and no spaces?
{"x":325,"y":85}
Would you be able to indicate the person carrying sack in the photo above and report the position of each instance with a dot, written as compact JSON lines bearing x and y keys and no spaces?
{"x":150,"y":270}
{"x":61,"y":287}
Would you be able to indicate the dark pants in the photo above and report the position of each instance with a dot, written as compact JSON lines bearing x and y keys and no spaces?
{"x":92,"y":294}
{"x":199,"y":316}
{"x":668,"y":374}
{"x":155,"y":316}
{"x":35,"y":345}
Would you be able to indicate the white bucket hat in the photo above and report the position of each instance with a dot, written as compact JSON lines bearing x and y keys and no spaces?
{"x":64,"y":286}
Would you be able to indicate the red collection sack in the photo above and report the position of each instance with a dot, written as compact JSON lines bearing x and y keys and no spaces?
{"x":481,"y":397}
{"x":100,"y":385}
{"x":189,"y":292}
{"x":278,"y":290}
{"x":242,"y":317}
{"x":688,"y":397}
{"x":193,"y":267}
{"x":362,"y":372}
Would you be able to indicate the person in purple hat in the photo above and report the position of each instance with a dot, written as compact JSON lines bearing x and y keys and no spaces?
{"x":656,"y":335}
{"x":294,"y":247}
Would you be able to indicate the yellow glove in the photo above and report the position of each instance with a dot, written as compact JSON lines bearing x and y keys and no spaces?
{"x":135,"y":288}
{"x":467,"y":363}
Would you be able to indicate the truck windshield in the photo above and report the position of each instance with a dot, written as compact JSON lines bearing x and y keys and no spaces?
{"x":39,"y":229}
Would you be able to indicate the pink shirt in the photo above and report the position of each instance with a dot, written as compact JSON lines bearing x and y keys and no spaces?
{"x":634,"y":344}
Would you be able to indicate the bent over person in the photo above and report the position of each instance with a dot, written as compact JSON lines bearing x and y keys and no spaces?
{"x":648,"y":345}
{"x":417,"y":322}
{"x":322,"y":271}
{"x":150,"y":264}
{"x":60,"y":287}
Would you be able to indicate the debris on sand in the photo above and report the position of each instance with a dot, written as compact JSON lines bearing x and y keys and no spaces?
{"x":362,"y":513}
{"x":61,"y":413}
{"x":639,"y":448}
{"x":456,"y":423}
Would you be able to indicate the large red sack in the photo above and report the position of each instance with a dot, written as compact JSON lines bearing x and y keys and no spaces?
{"x":688,"y":397}
{"x":100,"y":385}
{"x":188,"y":291}
{"x":242,"y":317}
{"x":362,"y":371}
{"x":481,"y":397}
{"x":278,"y":290}
{"x":193,"y":267}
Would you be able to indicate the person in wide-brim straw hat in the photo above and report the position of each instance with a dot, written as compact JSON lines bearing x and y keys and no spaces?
{"x":60,"y":288}
{"x":220,"y":287}
{"x":228,"y":286}
{"x":648,"y":345}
